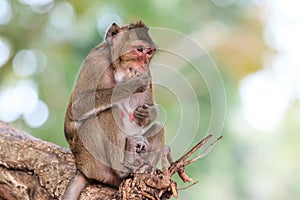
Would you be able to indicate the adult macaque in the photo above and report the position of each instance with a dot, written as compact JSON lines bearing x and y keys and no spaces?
{"x":111,"y":104}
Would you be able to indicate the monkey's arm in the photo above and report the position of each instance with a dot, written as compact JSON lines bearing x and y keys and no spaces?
{"x":90,"y":103}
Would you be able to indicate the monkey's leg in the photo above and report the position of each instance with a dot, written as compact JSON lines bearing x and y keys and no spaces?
{"x":75,"y":186}
{"x":155,"y":136}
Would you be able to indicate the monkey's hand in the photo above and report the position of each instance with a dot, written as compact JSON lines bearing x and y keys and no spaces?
{"x":129,"y":87}
{"x":139,"y":84}
{"x":145,"y":114}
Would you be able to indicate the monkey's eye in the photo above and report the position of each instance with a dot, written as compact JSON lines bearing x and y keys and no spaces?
{"x":140,"y":48}
{"x":130,"y":69}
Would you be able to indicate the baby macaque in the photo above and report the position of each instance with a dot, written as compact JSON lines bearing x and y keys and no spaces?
{"x":110,"y":107}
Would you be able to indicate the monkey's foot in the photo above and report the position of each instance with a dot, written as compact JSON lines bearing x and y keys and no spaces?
{"x":136,"y":148}
{"x":137,"y":144}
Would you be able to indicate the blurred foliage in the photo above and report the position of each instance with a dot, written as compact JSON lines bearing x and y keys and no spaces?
{"x":246,"y":164}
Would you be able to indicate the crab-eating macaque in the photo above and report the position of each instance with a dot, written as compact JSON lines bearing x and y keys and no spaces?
{"x":110,"y":107}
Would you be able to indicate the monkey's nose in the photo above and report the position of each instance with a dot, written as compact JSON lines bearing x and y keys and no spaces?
{"x":151,"y":51}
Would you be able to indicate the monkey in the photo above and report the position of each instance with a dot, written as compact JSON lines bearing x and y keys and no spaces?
{"x":110,"y":107}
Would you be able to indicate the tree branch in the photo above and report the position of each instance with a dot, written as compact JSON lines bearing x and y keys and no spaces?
{"x":34,"y":169}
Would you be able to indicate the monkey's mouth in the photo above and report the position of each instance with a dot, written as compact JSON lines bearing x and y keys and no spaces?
{"x":133,"y":73}
{"x":140,"y":68}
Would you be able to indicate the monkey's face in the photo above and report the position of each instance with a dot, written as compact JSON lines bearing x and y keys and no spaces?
{"x":132,"y":52}
{"x":134,"y":62}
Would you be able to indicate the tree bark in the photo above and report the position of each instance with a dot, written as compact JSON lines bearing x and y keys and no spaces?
{"x":34,"y":169}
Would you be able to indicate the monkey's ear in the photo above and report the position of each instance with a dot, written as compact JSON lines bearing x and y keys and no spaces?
{"x":113,"y":30}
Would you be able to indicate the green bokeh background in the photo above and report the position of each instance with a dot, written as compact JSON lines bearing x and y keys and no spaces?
{"x":246,"y":164}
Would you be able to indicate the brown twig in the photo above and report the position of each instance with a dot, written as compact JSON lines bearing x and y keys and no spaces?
{"x":179,"y":165}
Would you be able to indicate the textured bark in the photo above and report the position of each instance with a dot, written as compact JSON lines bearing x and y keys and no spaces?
{"x":34,"y":169}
